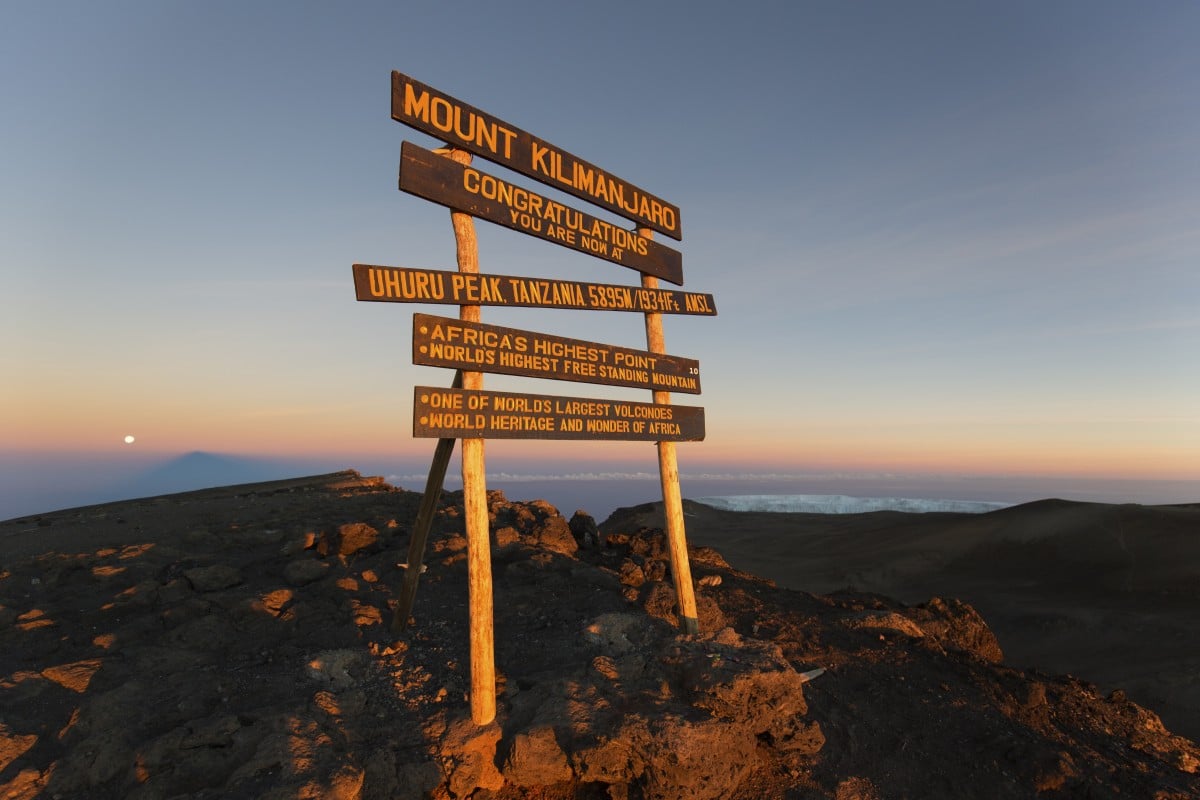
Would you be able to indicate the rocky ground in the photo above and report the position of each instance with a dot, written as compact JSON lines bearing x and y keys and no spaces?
{"x":1106,"y":592}
{"x":235,"y":643}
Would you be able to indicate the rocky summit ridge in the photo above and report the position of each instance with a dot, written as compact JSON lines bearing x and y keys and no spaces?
{"x":235,"y":642}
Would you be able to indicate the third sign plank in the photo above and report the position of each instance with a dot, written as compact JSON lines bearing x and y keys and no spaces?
{"x":418,"y":285}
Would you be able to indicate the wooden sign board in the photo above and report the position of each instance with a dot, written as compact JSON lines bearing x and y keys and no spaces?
{"x":452,"y":343}
{"x":416,"y":285}
{"x":433,"y":177}
{"x":480,"y":414}
{"x":422,"y":107}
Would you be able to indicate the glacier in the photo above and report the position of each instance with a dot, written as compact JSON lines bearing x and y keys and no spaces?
{"x":844,"y":504}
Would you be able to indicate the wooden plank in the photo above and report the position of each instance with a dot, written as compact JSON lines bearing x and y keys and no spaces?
{"x":463,"y":413}
{"x":416,"y":285}
{"x":464,"y":188}
{"x":422,"y":107}
{"x":447,"y":342}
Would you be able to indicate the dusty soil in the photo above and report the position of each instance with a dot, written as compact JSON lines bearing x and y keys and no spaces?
{"x":235,"y":643}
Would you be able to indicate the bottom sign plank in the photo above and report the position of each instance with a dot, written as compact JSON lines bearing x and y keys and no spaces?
{"x":465,"y":414}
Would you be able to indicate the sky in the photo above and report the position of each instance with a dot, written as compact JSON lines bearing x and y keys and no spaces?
{"x":954,"y":238}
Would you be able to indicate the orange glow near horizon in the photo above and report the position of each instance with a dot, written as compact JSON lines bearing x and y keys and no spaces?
{"x":973,"y":457}
{"x":1149,"y":452}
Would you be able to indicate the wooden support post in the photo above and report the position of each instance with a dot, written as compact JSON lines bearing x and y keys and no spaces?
{"x":420,"y":533}
{"x":668,"y":470}
{"x":475,"y":511}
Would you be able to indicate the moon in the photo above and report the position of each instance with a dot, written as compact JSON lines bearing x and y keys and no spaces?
{"x":130,"y":440}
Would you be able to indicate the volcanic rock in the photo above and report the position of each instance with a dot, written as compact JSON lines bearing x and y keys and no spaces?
{"x":139,"y":660}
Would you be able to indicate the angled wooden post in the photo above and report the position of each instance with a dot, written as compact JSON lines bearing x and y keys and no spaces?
{"x":475,"y":511}
{"x":420,"y":534}
{"x":668,"y":471}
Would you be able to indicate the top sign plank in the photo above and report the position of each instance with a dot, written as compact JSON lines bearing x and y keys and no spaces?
{"x":422,"y":107}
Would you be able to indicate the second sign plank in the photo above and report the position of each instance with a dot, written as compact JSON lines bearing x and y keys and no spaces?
{"x":466,"y":189}
{"x":448,"y":342}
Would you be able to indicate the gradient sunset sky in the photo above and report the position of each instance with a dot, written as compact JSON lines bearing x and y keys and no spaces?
{"x":949,"y":237}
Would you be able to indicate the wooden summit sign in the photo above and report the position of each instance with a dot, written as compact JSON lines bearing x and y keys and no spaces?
{"x":428,"y":175}
{"x":458,"y":124}
{"x":468,"y":412}
{"x":460,"y":414}
{"x":446,"y":342}
{"x":412,"y":285}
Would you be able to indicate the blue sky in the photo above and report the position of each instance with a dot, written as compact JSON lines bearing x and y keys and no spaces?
{"x":943,"y":237}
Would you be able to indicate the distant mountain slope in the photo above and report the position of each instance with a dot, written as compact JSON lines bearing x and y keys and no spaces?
{"x":1107,"y":592}
{"x":34,"y":484}
{"x":201,"y":470}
